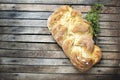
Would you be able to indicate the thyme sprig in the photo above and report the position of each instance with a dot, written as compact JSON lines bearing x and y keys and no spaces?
{"x":93,"y":17}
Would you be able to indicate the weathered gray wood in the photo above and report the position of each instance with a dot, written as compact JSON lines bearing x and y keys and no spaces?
{"x":29,"y":46}
{"x":110,"y":55}
{"x":32,"y":76}
{"x":37,"y":7}
{"x":39,"y":61}
{"x":45,"y":15}
{"x":27,"y":38}
{"x":46,"y":46}
{"x":108,"y":2}
{"x":48,"y":54}
{"x":108,"y":40}
{"x":39,"y":30}
{"x":111,"y":25}
{"x":109,"y":17}
{"x":37,"y":54}
{"x":43,"y":23}
{"x":109,"y":32}
{"x":25,"y":15}
{"x":109,"y":47}
{"x":56,"y":69}
{"x":106,"y":9}
{"x":49,"y":38}
{"x":35,"y":61}
{"x":24,"y":30}
{"x":30,"y":7}
{"x":17,"y":22}
{"x":32,"y":54}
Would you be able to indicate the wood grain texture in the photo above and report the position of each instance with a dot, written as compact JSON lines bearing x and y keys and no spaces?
{"x":31,"y":76}
{"x":37,"y":7}
{"x":29,"y":46}
{"x":111,"y":25}
{"x":45,"y":31}
{"x":55,"y":69}
{"x":46,"y":46}
{"x":34,"y":54}
{"x":45,"y":15}
{"x":24,"y":30}
{"x":108,"y":2}
{"x":43,"y":23}
{"x":17,"y":22}
{"x":55,"y":62}
{"x":28,"y":51}
{"x":49,"y":54}
{"x":49,"y":38}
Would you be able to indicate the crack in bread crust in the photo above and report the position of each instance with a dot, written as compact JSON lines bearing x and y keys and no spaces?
{"x":74,"y":35}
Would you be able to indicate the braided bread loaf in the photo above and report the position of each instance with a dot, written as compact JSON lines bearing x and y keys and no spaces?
{"x":74,"y":35}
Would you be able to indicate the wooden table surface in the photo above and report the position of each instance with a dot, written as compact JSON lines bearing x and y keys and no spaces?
{"x":28,"y":51}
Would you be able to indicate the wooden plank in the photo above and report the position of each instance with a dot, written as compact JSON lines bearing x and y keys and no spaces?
{"x":56,"y":69}
{"x":37,"y":7}
{"x":49,"y":38}
{"x":108,"y":40}
{"x":29,"y":46}
{"x":110,"y":55}
{"x":34,"y":54}
{"x":109,"y":17}
{"x":27,"y":38}
{"x":106,"y":9}
{"x":39,"y":30}
{"x":25,"y":15}
{"x":109,"y":32}
{"x":36,"y":61}
{"x":34,"y":76}
{"x":48,"y":54}
{"x":111,"y":25}
{"x":15,"y":22}
{"x":65,"y":62}
{"x":108,"y":2}
{"x":45,"y":15}
{"x":30,"y":7}
{"x":110,"y":47}
{"x":24,"y":30}
{"x":46,"y":46}
{"x":43,"y":23}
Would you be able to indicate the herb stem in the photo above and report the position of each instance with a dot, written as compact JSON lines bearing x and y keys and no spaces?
{"x":93,"y":17}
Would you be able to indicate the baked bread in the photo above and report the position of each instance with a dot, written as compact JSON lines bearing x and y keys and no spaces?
{"x":74,"y":35}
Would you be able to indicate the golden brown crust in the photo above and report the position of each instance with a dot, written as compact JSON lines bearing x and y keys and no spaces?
{"x":74,"y":35}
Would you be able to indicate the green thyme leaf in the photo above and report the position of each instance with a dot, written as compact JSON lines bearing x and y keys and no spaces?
{"x":93,"y":17}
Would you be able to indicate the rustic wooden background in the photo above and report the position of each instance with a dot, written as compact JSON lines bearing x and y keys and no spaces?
{"x":28,"y":51}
